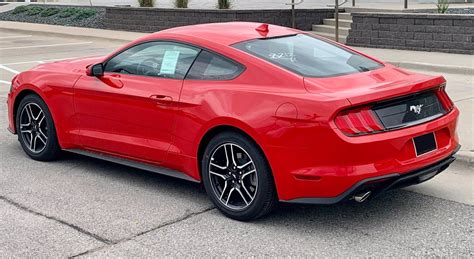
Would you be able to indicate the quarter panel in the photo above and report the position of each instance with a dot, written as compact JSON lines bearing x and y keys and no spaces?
{"x":253,"y":103}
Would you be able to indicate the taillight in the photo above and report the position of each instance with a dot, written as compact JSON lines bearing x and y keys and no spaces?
{"x":448,"y":105}
{"x":359,"y":121}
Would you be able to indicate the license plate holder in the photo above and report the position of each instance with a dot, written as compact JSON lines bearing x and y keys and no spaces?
{"x":425,"y":144}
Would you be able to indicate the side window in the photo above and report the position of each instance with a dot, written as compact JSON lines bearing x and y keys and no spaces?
{"x":209,"y":66}
{"x":159,"y":59}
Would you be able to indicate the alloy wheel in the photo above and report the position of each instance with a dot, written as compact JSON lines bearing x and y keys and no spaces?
{"x":34,"y":128}
{"x":233,"y":176}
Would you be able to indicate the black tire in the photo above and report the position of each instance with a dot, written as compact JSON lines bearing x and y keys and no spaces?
{"x":265,"y":196}
{"x":51,"y":149}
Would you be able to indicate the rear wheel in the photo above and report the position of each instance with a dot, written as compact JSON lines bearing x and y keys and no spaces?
{"x":36,"y":131}
{"x":237,"y":177}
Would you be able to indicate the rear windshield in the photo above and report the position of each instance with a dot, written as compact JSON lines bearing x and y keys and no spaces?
{"x":308,"y":56}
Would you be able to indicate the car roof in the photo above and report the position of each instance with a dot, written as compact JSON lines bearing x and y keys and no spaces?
{"x":226,"y":33}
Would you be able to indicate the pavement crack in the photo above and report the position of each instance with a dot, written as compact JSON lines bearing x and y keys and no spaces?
{"x":165,"y":224}
{"x":60,"y":221}
{"x":168,"y":223}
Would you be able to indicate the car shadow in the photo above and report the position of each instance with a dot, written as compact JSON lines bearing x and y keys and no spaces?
{"x":388,"y":207}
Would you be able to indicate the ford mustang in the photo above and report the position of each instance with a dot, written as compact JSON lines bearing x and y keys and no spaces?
{"x":257,"y":113}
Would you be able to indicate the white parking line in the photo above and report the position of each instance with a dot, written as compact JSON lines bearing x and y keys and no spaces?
{"x":4,"y":82}
{"x":15,"y":37}
{"x":45,"y":46}
{"x":36,"y":61}
{"x":4,"y":66}
{"x":9,"y":69}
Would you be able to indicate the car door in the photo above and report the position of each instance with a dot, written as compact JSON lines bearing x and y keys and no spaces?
{"x":130,"y":110}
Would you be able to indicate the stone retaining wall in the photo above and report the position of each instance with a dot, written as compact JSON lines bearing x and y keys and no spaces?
{"x":451,"y":33}
{"x":156,"y":19}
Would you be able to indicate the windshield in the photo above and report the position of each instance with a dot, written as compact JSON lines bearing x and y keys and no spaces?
{"x":308,"y":56}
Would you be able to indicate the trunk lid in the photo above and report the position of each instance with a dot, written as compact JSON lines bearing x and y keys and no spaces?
{"x":372,"y":86}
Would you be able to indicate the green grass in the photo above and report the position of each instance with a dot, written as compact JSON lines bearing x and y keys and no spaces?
{"x":34,"y":10}
{"x":442,"y":6}
{"x":49,"y":12}
{"x":75,"y":13}
{"x":20,"y":9}
{"x":146,"y":3}
{"x":68,"y":12}
{"x":181,"y":3}
{"x":85,"y":13}
{"x":224,"y":4}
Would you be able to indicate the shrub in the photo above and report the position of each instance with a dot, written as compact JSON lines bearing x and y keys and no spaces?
{"x":68,"y":12}
{"x":34,"y":10}
{"x":84,"y":13}
{"x":224,"y":4}
{"x":145,"y":3}
{"x":442,"y":6}
{"x":20,"y":9}
{"x":49,"y":12}
{"x":181,"y":3}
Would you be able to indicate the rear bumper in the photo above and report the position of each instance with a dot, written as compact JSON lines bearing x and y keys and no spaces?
{"x":326,"y":163}
{"x":381,"y":184}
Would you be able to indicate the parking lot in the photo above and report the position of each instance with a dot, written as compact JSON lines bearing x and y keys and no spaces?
{"x":80,"y":206}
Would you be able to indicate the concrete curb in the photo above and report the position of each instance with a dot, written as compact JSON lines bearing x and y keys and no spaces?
{"x":434,"y":68}
{"x":72,"y":32}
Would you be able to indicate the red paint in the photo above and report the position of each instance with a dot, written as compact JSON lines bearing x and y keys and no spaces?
{"x":263,"y":30}
{"x":291,"y":118}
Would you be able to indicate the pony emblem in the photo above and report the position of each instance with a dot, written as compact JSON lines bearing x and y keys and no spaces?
{"x":416,"y":108}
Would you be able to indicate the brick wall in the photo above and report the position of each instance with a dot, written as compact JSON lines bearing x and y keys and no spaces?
{"x":451,"y":33}
{"x":155,"y":19}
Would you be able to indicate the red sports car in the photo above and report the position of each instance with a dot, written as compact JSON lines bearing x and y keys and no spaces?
{"x":257,"y":113}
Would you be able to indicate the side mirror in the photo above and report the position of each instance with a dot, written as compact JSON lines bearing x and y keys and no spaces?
{"x":96,"y":70}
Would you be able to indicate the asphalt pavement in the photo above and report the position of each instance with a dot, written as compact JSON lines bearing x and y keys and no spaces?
{"x":84,"y":207}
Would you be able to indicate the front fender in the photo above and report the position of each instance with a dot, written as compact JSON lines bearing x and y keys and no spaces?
{"x":56,"y":91}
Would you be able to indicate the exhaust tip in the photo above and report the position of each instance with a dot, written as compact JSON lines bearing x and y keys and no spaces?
{"x":361,"y":197}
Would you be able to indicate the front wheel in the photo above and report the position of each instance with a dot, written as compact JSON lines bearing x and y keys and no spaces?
{"x":237,"y":177}
{"x":36,"y":130}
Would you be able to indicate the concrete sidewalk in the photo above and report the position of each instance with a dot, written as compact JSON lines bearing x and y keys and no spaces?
{"x":423,"y":60}
{"x":72,"y":32}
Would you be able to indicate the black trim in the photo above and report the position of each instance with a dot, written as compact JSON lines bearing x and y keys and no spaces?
{"x":391,"y":181}
{"x":406,"y":99}
{"x":134,"y":164}
{"x":404,"y":126}
{"x":240,"y":67}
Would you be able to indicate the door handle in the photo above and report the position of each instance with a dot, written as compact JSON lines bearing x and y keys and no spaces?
{"x":162,"y":99}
